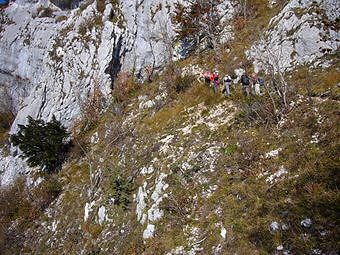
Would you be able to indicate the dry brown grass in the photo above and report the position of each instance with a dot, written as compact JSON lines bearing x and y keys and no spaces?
{"x":123,"y":85}
{"x":6,"y":119}
{"x":20,"y":208}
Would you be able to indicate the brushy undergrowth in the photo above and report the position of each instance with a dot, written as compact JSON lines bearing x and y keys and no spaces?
{"x":23,"y":207}
{"x":246,"y":192}
{"x":6,"y":119}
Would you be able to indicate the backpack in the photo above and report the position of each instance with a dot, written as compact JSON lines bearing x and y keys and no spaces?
{"x":260,"y":81}
{"x":245,"y":80}
{"x":227,"y":79}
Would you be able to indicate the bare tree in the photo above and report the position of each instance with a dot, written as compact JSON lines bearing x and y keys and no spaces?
{"x":95,"y":177}
{"x":277,"y":87}
{"x":198,"y":20}
{"x":276,"y":71}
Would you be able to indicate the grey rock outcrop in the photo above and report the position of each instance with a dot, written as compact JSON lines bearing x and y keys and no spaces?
{"x":52,"y":60}
{"x":302,"y":33}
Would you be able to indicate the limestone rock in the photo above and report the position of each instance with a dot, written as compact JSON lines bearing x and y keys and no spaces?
{"x":302,"y":33}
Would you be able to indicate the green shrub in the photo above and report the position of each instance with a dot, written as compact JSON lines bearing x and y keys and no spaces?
{"x":121,"y":191}
{"x":43,"y":144}
{"x":230,"y":149}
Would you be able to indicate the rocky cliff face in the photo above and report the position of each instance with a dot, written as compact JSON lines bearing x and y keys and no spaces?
{"x":52,"y":60}
{"x":64,"y":56}
{"x":180,"y":170}
{"x":302,"y":33}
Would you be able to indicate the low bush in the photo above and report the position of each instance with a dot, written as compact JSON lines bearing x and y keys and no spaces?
{"x":14,"y":206}
{"x":91,"y":110}
{"x":122,"y":86}
{"x":45,"y":12}
{"x":100,"y":5}
{"x":63,"y":4}
{"x":182,"y":83}
{"x":20,"y":207}
{"x":230,"y":149}
{"x":258,"y":111}
{"x":61,"y":18}
{"x":45,"y":193}
{"x":6,"y":119}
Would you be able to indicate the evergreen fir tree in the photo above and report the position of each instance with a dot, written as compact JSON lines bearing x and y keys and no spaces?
{"x":43,"y":144}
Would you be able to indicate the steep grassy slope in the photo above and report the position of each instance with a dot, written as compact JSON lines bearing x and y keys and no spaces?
{"x":177,"y":169}
{"x":206,"y":179}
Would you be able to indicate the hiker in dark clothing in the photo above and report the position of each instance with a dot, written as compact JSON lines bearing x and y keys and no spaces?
{"x":206,"y":76}
{"x":245,"y":82}
{"x":260,"y":83}
{"x":257,"y":82}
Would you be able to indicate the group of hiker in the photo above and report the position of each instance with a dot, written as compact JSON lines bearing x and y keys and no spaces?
{"x":250,"y":85}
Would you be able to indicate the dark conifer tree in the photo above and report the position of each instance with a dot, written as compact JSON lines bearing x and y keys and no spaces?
{"x":43,"y":144}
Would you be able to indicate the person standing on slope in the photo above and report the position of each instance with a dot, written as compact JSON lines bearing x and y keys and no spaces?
{"x":227,"y":83}
{"x":256,"y":82}
{"x":259,"y":84}
{"x":215,"y":81}
{"x":206,"y":76}
{"x":245,"y":84}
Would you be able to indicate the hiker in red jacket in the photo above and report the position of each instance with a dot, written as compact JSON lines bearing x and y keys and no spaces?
{"x":214,"y":79}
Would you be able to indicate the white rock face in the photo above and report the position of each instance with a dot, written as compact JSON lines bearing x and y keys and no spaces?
{"x":150,"y":31}
{"x":273,"y":153}
{"x":64,"y":61}
{"x":141,"y":204}
{"x":271,"y":2}
{"x":102,"y":216}
{"x":274,"y":226}
{"x":223,"y":233}
{"x":307,"y":223}
{"x":50,"y":65}
{"x":149,"y":231}
{"x":303,"y":32}
{"x":154,"y":213}
{"x":277,"y":175}
{"x":87,"y":210}
{"x":7,"y":163}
